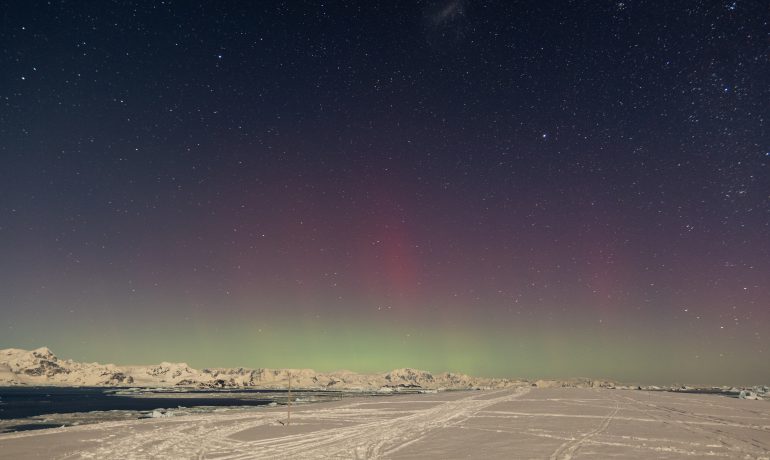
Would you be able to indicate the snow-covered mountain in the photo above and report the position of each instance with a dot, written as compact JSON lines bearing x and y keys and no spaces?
{"x":42,"y":367}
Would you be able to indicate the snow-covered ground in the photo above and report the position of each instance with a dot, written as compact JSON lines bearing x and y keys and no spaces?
{"x":554,"y":423}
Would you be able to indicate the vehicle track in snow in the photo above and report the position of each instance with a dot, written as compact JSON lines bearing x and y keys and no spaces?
{"x":369,"y":432}
{"x":568,"y":449}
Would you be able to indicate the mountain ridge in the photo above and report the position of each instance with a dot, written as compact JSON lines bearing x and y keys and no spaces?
{"x":42,"y":367}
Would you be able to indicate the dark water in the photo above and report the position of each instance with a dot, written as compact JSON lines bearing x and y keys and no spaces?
{"x":28,"y":402}
{"x":32,"y":426}
{"x":29,"y":408}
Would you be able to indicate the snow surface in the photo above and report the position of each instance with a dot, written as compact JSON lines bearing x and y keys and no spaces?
{"x":524,"y":422}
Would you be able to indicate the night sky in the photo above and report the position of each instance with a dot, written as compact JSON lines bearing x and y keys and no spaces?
{"x":503,"y":188}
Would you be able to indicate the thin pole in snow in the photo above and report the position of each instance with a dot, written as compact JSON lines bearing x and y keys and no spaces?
{"x":288,"y":403}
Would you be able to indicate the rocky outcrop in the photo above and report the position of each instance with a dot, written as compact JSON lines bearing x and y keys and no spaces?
{"x":42,"y":367}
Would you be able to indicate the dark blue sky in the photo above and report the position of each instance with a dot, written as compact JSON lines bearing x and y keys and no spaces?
{"x":502,"y":165}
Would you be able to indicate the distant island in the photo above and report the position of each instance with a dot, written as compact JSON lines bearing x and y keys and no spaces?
{"x":41,"y":367}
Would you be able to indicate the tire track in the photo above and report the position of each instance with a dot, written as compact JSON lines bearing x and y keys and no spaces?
{"x":373,"y":433}
{"x":368,"y":440}
{"x":569,"y":448}
{"x":730,"y":442}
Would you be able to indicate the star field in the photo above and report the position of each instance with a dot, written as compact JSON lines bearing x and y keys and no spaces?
{"x":499,"y":188}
